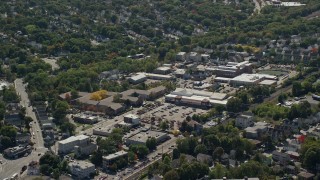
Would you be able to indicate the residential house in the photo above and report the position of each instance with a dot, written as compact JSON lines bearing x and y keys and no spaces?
{"x":305,"y":176}
{"x":282,"y":158}
{"x":14,"y":118}
{"x":256,"y":130}
{"x":204,"y":158}
{"x":194,"y":57}
{"x":183,"y":158}
{"x":292,"y":145}
{"x":225,"y":159}
{"x":244,"y":121}
{"x":181,"y":56}
{"x":197,"y":127}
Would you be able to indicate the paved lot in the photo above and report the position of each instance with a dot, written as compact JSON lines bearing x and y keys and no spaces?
{"x":312,"y":101}
{"x":170,"y":112}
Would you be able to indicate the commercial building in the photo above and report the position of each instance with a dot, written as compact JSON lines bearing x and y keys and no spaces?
{"x":244,"y":121}
{"x":134,"y":97}
{"x":68,"y":145}
{"x":197,"y":98}
{"x":232,"y":69}
{"x":256,"y":130}
{"x":103,"y":131}
{"x":132,"y":119}
{"x":85,"y":119}
{"x":253,"y":79}
{"x":17,"y":151}
{"x":106,"y":105}
{"x":141,"y":138}
{"x":111,"y":158}
{"x":81,"y":169}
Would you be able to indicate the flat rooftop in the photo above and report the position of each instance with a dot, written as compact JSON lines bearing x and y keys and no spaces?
{"x":253,"y":77}
{"x":131,"y":116}
{"x":74,"y":138}
{"x":143,"y":136}
{"x":81,"y":164}
{"x":115,"y":155}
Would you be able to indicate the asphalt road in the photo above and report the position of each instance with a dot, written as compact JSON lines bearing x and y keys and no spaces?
{"x":10,"y":167}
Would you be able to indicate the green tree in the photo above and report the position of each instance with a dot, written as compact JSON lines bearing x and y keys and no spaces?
{"x":151,"y":143}
{"x":297,"y":89}
{"x":141,"y":150}
{"x":234,"y":105}
{"x":201,"y":148}
{"x":171,"y":175}
{"x":6,"y":142}
{"x":218,"y":152}
{"x":68,"y":127}
{"x":8,"y":131}
{"x":164,"y":125}
{"x":218,"y":172}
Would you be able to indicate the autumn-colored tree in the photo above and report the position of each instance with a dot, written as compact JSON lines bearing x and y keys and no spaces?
{"x":99,"y":95}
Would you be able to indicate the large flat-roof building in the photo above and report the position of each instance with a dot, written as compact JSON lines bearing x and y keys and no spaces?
{"x":253,"y":79}
{"x":232,"y":69}
{"x":67,"y":145}
{"x":142,"y":137}
{"x":107,"y":105}
{"x":196,"y":98}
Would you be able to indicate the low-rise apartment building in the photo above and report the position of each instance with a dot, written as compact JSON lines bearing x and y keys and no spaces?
{"x":81,"y":169}
{"x":111,"y":158}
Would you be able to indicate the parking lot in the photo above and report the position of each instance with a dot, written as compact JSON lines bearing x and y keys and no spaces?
{"x":166,"y":111}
